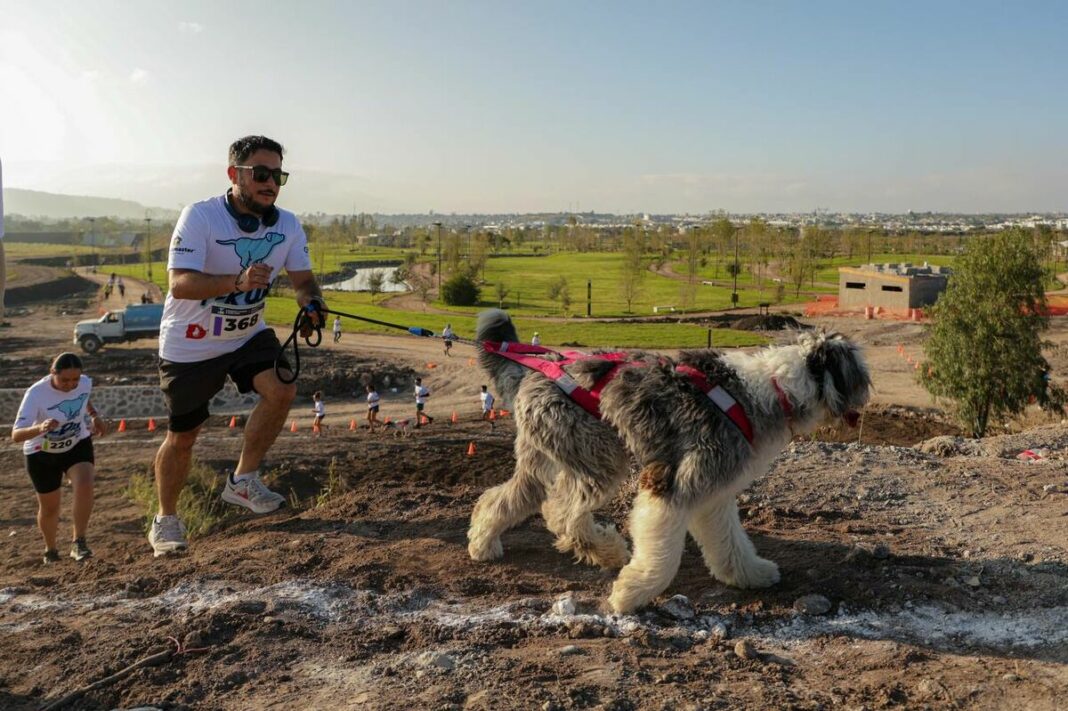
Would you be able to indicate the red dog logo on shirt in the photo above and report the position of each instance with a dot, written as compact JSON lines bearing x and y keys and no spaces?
{"x":195,"y":331}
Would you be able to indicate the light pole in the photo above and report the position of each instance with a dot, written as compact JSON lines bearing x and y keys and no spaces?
{"x":92,"y":239}
{"x":438,"y":225}
{"x":148,"y":245}
{"x":734,"y":292}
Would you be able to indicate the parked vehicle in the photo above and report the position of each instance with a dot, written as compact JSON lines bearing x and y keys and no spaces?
{"x":136,"y":321}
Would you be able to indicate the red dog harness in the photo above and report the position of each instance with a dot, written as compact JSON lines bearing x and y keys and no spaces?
{"x":590,"y":400}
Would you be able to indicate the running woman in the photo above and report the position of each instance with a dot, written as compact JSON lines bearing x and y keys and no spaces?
{"x":225,"y":254}
{"x":56,"y":424}
{"x":318,"y":411}
{"x":449,"y":335}
{"x":372,"y":407}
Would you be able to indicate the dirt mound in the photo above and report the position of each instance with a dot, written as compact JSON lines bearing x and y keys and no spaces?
{"x":50,"y":291}
{"x":767,"y":322}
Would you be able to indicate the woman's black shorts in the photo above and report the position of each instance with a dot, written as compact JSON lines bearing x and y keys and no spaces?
{"x":46,"y":470}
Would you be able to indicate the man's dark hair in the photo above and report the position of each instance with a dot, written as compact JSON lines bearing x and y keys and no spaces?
{"x":66,"y":360}
{"x":242,"y":148}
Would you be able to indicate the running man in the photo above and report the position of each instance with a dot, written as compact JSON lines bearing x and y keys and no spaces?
{"x":337,"y":329}
{"x":122,"y":288}
{"x":372,"y":407}
{"x":486,"y":399}
{"x":421,"y":394}
{"x":56,"y":424}
{"x":449,"y":335}
{"x":225,"y":254}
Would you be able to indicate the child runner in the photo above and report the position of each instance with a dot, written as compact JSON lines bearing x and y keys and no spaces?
{"x":56,"y":423}
{"x":487,"y":402}
{"x":337,"y":329}
{"x":372,"y":407}
{"x":448,"y":334}
{"x":421,"y":394}
{"x":319,"y":410}
{"x":535,"y":340}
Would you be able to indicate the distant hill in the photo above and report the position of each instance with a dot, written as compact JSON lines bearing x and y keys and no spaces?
{"x":35,"y":203}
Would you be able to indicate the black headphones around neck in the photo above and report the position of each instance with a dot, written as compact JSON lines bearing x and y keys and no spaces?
{"x":249,"y":223}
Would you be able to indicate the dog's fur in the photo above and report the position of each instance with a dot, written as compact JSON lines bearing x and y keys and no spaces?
{"x":693,"y":460}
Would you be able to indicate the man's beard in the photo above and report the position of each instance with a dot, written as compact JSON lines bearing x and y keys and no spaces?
{"x":251,"y":205}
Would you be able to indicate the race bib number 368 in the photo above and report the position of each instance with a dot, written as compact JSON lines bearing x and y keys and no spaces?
{"x":227,"y":322}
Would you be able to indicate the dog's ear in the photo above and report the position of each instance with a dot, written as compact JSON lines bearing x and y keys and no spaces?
{"x":841,"y":376}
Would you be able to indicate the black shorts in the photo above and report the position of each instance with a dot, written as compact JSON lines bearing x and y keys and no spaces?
{"x":373,"y":408}
{"x":46,"y":470}
{"x":189,"y":387}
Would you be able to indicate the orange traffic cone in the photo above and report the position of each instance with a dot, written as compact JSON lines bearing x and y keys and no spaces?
{"x":385,"y":421}
{"x":352,"y":425}
{"x":293,"y":427}
{"x":151,"y":425}
{"x":470,"y":361}
{"x":233,"y":422}
{"x":423,"y":420}
{"x":493,"y":414}
{"x":471,"y":449}
{"x":431,"y":365}
{"x":122,"y":425}
{"x":504,"y":413}
{"x":454,"y":419}
{"x":315,"y":428}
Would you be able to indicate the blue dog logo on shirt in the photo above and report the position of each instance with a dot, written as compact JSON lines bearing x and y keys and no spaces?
{"x":251,"y":251}
{"x":70,"y":408}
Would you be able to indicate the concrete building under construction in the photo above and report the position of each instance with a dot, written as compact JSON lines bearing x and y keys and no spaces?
{"x":890,"y":286}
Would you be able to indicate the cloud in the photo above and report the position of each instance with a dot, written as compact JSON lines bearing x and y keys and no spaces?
{"x":139,"y":76}
{"x":190,"y":28}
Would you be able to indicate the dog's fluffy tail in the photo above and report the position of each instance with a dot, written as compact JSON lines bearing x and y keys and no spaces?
{"x":495,"y":325}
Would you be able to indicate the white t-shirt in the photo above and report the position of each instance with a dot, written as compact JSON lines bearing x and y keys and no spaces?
{"x":448,"y":333}
{"x":319,"y":408}
{"x":421,"y":394}
{"x":487,"y":401}
{"x":372,"y":399}
{"x":535,"y":341}
{"x":337,"y":325}
{"x":43,"y":402}
{"x":207,"y":239}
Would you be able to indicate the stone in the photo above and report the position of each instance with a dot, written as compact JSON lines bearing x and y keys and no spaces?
{"x":564,"y":605}
{"x":570,"y":650}
{"x":812,"y":605}
{"x":193,"y":640}
{"x":973,"y":581}
{"x":880,"y":552}
{"x":746,"y":650}
{"x":437,"y":659}
{"x":678,"y":607}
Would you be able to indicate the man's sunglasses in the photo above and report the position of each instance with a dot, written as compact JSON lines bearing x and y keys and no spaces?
{"x":260,"y":173}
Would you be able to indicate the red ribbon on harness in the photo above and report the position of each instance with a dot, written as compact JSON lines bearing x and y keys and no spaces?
{"x":590,"y":400}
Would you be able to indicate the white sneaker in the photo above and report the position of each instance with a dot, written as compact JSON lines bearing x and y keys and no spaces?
{"x":251,"y":493}
{"x":167,"y":535}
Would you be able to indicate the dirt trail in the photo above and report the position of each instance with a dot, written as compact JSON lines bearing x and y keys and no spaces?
{"x":944,"y":568}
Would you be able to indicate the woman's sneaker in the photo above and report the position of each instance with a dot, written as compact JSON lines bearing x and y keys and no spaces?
{"x":167,"y":535}
{"x":79,"y":551}
{"x":51,"y":555}
{"x":251,"y":493}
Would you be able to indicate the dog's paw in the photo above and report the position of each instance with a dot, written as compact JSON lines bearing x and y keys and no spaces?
{"x":485,"y":549}
{"x":754,"y":573}
{"x":611,"y":552}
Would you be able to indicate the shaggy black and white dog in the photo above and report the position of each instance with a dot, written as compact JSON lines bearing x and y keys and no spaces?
{"x":694,"y":460}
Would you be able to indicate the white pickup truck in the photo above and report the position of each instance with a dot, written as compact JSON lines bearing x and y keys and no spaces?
{"x":136,"y":321}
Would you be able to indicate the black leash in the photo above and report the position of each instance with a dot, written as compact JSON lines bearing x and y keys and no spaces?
{"x":312,"y":332}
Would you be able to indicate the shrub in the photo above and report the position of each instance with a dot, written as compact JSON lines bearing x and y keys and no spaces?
{"x":460,"y":290}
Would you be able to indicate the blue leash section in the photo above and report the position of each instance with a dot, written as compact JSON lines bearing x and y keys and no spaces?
{"x":303,"y":322}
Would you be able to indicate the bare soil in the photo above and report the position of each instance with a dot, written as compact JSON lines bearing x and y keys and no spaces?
{"x":943,"y":565}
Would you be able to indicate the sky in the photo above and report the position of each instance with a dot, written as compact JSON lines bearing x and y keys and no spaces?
{"x":509,"y":106}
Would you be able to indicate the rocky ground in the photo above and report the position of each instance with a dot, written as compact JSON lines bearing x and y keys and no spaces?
{"x":919,"y":569}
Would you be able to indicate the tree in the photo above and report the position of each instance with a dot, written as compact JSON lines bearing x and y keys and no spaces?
{"x":502,"y":293}
{"x":984,"y":349}
{"x":460,"y":290}
{"x":422,"y":284}
{"x":558,"y":291}
{"x":375,"y":280}
{"x":630,"y":282}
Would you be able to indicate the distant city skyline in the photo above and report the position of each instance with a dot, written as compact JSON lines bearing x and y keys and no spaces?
{"x":489,"y":107}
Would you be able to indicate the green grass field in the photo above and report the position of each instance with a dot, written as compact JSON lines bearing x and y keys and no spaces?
{"x":24,"y":250}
